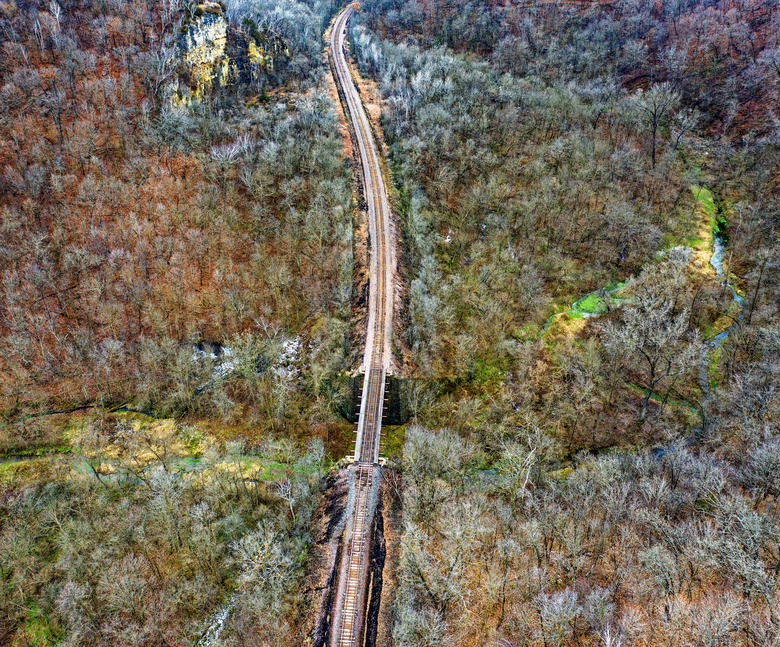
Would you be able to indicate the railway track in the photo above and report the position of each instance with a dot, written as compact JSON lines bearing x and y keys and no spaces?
{"x":349,"y":614}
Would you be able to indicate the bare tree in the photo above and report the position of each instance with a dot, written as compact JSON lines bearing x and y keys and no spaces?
{"x":762,"y":472}
{"x":286,"y":492}
{"x":654,"y":108}
{"x":654,"y":332}
{"x":557,"y":613}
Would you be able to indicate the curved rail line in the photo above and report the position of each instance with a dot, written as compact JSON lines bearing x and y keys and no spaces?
{"x":349,"y":615}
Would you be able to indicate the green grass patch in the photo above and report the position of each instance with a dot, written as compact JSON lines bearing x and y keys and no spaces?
{"x":706,"y":202}
{"x":614,"y":286}
{"x":38,"y":450}
{"x":676,"y":239}
{"x":189,"y":463}
{"x":661,"y":398}
{"x":598,"y":302}
{"x":270,"y":470}
{"x":713,"y":361}
{"x":526,"y":332}
{"x":38,"y":632}
{"x":693,"y":242}
{"x":592,"y":304}
{"x":192,"y":437}
{"x":486,"y":374}
{"x":9,"y":470}
{"x":560,"y":475}
{"x":715,"y":210}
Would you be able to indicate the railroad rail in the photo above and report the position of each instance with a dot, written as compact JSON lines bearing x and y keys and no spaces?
{"x":349,"y":615}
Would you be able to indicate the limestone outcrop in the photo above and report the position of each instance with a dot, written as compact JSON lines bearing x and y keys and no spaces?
{"x":214,"y":54}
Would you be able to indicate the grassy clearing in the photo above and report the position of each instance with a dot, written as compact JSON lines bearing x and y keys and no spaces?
{"x":695,"y":226}
{"x":706,"y":202}
{"x":38,"y":632}
{"x":488,"y":373}
{"x":39,"y":450}
{"x":122,"y":444}
{"x":12,"y":471}
{"x":568,"y":321}
{"x":564,"y":326}
{"x":713,"y":364}
{"x":713,"y":214}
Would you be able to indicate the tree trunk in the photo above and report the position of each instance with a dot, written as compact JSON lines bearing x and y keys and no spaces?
{"x":755,"y":294}
{"x":643,"y":415}
{"x":655,"y":135}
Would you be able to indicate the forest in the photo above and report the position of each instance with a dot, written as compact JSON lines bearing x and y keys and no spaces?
{"x":586,"y":202}
{"x":604,"y":465}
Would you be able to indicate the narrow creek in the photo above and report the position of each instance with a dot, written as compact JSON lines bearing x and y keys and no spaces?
{"x":719,"y":246}
{"x":216,"y":623}
{"x":718,"y":256}
{"x":604,"y":301}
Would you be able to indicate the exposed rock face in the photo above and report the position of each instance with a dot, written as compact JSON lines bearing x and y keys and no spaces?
{"x":203,"y":51}
{"x":214,"y":54}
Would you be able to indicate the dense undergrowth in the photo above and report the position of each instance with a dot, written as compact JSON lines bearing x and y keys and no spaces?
{"x":174,"y":262}
{"x":522,"y":188}
{"x":147,"y":530}
{"x":621,"y":549}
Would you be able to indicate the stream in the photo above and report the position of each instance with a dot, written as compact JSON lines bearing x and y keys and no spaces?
{"x":605,"y":300}
{"x":216,"y":624}
{"x":718,"y":255}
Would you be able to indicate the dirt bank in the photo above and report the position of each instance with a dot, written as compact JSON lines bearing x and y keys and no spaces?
{"x":325,"y":556}
{"x":322,"y":579}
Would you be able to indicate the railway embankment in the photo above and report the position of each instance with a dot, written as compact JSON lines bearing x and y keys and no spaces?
{"x":326,"y":554}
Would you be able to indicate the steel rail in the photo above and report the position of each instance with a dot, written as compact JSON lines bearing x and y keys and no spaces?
{"x":348,"y":618}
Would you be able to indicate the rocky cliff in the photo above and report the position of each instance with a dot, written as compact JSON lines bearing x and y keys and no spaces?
{"x":214,"y":54}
